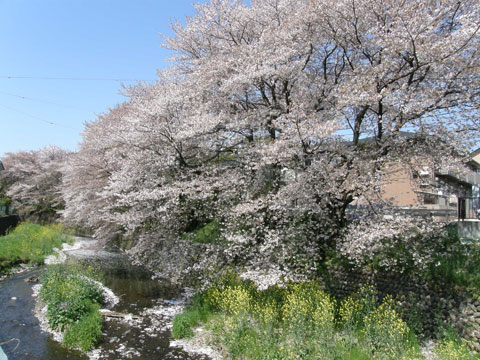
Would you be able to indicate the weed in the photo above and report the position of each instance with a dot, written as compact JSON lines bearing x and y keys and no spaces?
{"x":198,"y":312}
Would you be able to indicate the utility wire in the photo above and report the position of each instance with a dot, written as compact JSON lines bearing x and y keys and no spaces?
{"x":35,"y":117}
{"x":68,"y":78}
{"x":347,"y":75}
{"x":41,"y":100}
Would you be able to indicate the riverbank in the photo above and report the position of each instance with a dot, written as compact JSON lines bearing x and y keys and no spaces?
{"x":301,"y":320}
{"x":148,"y":305}
{"x":17,"y":321}
{"x":29,"y":244}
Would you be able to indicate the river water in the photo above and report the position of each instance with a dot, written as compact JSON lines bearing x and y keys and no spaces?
{"x":145,"y":338}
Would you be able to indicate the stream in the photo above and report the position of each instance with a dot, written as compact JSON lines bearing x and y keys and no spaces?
{"x":146,"y":337}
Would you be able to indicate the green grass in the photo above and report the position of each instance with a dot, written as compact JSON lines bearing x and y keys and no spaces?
{"x":73,"y":301}
{"x":194,"y":314}
{"x":30,"y":243}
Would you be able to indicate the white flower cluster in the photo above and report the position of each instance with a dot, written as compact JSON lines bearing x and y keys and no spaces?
{"x":395,"y":242}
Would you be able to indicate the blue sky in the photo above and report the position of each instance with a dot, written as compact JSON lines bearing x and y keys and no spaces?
{"x":95,"y":39}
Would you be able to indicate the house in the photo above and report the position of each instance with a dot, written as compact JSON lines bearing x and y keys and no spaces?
{"x":425,"y":189}
{"x":436,"y":191}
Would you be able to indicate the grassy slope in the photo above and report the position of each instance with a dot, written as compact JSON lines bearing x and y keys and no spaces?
{"x":30,"y":243}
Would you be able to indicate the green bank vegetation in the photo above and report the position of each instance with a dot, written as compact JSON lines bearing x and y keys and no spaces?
{"x":73,"y":300}
{"x":301,"y":321}
{"x":30,"y":244}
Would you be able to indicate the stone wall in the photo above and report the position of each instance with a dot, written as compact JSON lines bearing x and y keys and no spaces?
{"x":429,"y":308}
{"x":8,"y":222}
{"x":469,"y":229}
{"x":467,"y":319}
{"x":425,"y":306}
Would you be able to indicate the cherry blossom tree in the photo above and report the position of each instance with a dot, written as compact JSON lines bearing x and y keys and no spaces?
{"x":306,"y":72}
{"x":88,"y":172}
{"x":274,"y":117}
{"x":35,"y":178}
{"x":169,"y":169}
{"x":318,"y":77}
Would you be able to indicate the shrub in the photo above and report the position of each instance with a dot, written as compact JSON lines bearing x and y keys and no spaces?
{"x":235,"y":300}
{"x":385,"y":332}
{"x":457,"y":263}
{"x":353,"y":310}
{"x":308,"y":308}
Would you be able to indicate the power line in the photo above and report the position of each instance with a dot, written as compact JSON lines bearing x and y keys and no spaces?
{"x":356,"y":75}
{"x":41,"y":100}
{"x":35,"y":117}
{"x":69,"y":78}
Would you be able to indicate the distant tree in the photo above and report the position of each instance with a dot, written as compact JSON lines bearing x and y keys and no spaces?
{"x":88,"y":171}
{"x":35,"y":178}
